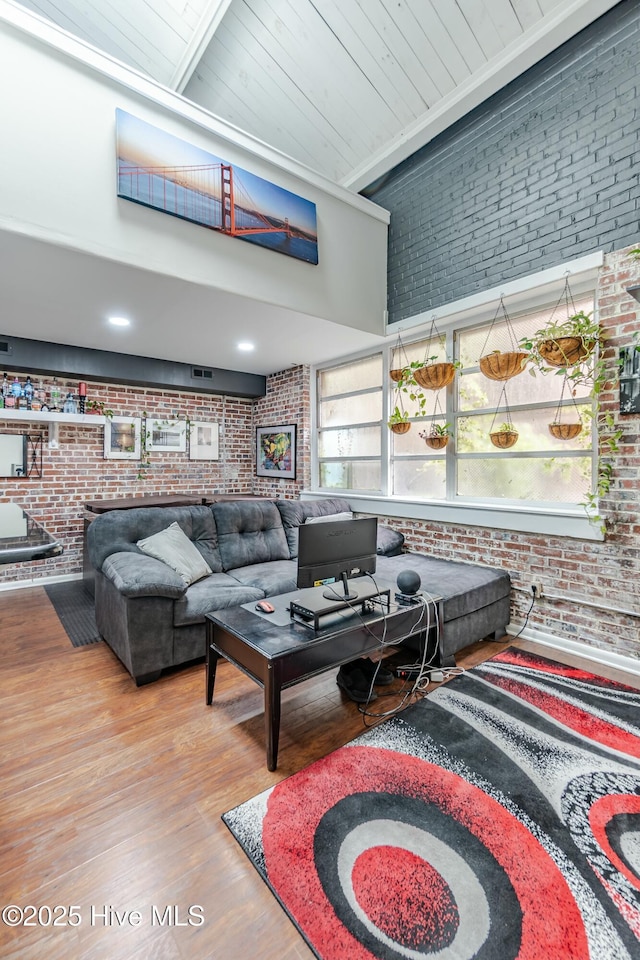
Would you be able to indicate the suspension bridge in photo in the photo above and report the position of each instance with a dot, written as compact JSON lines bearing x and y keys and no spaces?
{"x":208,"y":194}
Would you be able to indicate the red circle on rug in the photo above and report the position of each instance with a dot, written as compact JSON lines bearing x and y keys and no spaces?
{"x":551,"y":924}
{"x":600,"y":814}
{"x":405,"y":897}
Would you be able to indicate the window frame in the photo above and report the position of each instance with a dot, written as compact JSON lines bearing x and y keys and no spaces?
{"x":529,"y":293}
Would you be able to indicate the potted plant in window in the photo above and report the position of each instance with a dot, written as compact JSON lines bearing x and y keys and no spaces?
{"x":438,"y":436}
{"x":565,"y":344}
{"x":505,"y":436}
{"x":398,"y":421}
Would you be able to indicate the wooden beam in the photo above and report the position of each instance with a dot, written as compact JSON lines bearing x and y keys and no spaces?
{"x":202,"y":36}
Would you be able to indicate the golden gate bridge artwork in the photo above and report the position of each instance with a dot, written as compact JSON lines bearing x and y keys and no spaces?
{"x":204,"y":189}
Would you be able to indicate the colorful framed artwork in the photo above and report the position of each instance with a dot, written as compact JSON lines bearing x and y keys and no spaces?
{"x":122,"y":438}
{"x":166,"y":436}
{"x":168,"y":174}
{"x":203,"y":441}
{"x":276,"y":452}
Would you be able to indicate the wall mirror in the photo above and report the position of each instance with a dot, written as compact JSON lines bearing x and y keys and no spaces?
{"x":20,"y":455}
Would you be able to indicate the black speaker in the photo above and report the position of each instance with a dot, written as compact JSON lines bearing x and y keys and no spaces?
{"x":409,"y":583}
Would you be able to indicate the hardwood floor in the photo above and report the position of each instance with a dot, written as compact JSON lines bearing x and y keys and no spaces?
{"x":112,"y":796}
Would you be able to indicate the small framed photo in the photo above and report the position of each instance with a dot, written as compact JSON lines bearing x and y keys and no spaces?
{"x":203,"y":441}
{"x":166,"y":436}
{"x":122,"y":438}
{"x":276,"y":451}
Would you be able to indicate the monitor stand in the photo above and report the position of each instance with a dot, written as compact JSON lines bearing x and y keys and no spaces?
{"x":334,"y":592}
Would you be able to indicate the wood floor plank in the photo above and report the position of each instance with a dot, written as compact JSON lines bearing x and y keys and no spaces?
{"x":112,"y":795}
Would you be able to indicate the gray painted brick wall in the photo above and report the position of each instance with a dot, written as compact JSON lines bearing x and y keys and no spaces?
{"x":546,"y":170}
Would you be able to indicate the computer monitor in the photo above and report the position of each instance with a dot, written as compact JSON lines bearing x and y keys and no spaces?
{"x":336,"y":550}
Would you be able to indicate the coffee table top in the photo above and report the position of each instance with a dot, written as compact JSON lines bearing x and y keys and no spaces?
{"x":276,"y":635}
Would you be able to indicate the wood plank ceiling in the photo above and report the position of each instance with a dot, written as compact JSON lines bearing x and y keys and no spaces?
{"x":347,"y":87}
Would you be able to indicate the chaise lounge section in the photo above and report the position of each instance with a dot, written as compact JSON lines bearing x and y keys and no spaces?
{"x":153,"y":619}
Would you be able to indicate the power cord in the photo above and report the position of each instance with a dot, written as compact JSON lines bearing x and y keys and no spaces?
{"x":534,"y":596}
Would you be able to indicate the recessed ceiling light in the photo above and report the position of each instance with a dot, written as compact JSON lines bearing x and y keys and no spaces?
{"x":119,"y":321}
{"x":245,"y":345}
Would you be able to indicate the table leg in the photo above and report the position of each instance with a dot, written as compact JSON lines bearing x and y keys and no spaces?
{"x":272,"y":691}
{"x":212,"y":663}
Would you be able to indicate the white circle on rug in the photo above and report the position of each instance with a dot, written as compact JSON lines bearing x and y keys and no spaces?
{"x":472,"y":904}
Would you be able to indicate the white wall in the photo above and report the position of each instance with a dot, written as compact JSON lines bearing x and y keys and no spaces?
{"x":57,"y":123}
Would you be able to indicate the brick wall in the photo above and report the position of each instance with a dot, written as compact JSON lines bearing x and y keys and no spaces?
{"x":76,"y":471}
{"x":543,"y":172}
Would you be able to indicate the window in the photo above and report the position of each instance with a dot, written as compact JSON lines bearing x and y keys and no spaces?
{"x":357,"y":452}
{"x":349,"y":421}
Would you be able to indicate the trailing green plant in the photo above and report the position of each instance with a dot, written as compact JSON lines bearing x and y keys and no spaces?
{"x":97,"y":406}
{"x":505,"y":427}
{"x":440,"y":430}
{"x":398,"y":416}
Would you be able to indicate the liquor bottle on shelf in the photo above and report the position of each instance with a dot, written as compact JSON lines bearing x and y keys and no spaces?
{"x":16,"y":393}
{"x":55,"y":396}
{"x":70,"y":404}
{"x":82,"y":396}
{"x":27,"y":393}
{"x":6,"y":386}
{"x":9,"y":399}
{"x":39,"y":397}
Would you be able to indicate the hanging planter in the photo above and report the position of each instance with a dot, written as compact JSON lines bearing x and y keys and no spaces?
{"x":505,"y":435}
{"x":565,"y":342}
{"x":435,"y":376}
{"x":399,"y":361}
{"x":565,"y":431}
{"x":398,"y":421}
{"x":400,"y":426}
{"x":565,"y":351}
{"x":434,"y":373}
{"x":503,"y":364}
{"x":438,"y":435}
{"x":437,"y":441}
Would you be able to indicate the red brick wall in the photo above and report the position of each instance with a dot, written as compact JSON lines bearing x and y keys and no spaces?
{"x":287,"y":401}
{"x":77,"y":471}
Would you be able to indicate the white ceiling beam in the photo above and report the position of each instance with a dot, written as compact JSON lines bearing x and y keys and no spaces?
{"x":202,"y":36}
{"x":532,"y":46}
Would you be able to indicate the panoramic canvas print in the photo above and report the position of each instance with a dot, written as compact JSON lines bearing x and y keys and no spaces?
{"x":161,"y":171}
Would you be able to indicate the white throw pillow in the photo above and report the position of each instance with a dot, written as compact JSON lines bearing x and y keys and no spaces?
{"x":174,"y":548}
{"x":347,"y":515}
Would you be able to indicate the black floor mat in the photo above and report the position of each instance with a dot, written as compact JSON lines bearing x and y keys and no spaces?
{"x":75,"y":609}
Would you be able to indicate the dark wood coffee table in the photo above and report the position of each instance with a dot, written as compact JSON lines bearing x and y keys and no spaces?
{"x":277,"y":652}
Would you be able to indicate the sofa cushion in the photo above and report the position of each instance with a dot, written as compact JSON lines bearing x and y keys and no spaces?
{"x":136,"y":575}
{"x":249,"y":532}
{"x":119,"y":531}
{"x":465,"y":587}
{"x":174,"y":548}
{"x":274,"y":577}
{"x":389,"y":541}
{"x":216,"y":592}
{"x":345,"y":515}
{"x":295,"y":512}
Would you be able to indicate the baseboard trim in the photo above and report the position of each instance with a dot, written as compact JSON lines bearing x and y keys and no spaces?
{"x":39,"y":581}
{"x":596,"y":655}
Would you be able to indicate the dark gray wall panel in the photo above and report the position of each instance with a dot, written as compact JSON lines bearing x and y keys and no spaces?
{"x":544,"y":171}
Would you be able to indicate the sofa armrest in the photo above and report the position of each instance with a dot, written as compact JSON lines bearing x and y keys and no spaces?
{"x":137,"y":575}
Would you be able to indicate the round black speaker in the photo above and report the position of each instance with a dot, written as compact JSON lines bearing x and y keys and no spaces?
{"x":408,"y":582}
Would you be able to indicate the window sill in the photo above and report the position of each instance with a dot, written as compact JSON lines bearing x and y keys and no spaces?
{"x":551,"y":521}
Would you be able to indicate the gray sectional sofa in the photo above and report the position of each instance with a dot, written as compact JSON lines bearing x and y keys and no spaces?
{"x":152,"y":620}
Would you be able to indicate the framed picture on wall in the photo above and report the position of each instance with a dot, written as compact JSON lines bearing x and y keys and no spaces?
{"x":122,"y":438}
{"x":203,"y":441}
{"x":166,"y":436}
{"x":276,"y":451}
